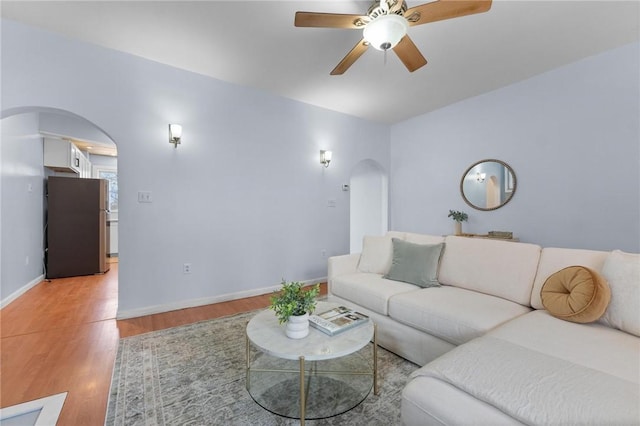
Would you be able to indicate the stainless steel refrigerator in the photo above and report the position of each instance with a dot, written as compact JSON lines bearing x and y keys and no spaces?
{"x":77,"y":238}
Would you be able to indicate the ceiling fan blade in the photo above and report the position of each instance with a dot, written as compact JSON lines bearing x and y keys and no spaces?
{"x":445,"y":9}
{"x":351,"y":57}
{"x":330,"y":20}
{"x":409,"y":54}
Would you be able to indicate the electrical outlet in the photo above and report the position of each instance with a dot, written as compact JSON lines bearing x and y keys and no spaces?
{"x":186,"y":268}
{"x":323,"y":253}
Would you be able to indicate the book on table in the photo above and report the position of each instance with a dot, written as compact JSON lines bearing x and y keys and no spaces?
{"x":337,"y":320}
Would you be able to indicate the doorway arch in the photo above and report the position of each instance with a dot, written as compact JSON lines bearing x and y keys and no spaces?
{"x":492,"y":192}
{"x":369,"y":202}
{"x":23,"y":212}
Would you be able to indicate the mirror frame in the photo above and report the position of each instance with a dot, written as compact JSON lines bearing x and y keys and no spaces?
{"x":466,"y":172}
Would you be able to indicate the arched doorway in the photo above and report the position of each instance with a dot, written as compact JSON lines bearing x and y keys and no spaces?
{"x":22,"y":190}
{"x":492,"y":192}
{"x":369,"y":202}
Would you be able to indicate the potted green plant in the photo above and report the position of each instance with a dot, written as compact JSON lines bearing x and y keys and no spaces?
{"x":458,"y":217}
{"x":292,"y":305}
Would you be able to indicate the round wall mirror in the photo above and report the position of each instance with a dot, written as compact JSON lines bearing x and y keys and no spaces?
{"x":488,"y":184}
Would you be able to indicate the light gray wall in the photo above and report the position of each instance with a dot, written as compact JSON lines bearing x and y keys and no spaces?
{"x":22,"y":220}
{"x":243,"y":199}
{"x":572,"y":136}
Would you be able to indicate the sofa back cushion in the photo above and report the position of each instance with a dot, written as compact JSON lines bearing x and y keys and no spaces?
{"x":499,"y":268}
{"x":554,"y":259}
{"x":423,"y":238}
{"x":396,"y":234}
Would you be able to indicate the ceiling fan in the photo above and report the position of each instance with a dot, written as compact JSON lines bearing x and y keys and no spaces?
{"x":386,"y":23}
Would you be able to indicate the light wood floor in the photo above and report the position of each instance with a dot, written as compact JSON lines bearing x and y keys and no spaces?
{"x":62,"y":336}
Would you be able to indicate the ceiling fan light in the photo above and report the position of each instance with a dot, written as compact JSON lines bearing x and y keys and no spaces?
{"x":385,"y":31}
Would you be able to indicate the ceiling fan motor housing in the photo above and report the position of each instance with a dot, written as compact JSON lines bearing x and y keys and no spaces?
{"x":386,"y":7}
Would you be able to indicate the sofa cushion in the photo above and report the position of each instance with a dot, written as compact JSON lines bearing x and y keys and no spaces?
{"x":553,"y":259}
{"x":376,"y":255}
{"x":499,"y":268}
{"x":622,"y":271}
{"x":452,"y":314}
{"x":536,"y":361}
{"x":415,"y":263}
{"x":534,"y":388}
{"x":423,"y":238}
{"x":593,"y":345}
{"x":368,"y":290}
{"x":576,"y":294}
{"x":396,"y":234}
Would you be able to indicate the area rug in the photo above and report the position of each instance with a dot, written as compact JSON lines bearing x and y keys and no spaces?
{"x":195,"y":375}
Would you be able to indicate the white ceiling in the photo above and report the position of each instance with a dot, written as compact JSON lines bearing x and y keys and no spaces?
{"x":255,"y":44}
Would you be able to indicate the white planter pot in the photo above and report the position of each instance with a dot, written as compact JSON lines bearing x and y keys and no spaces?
{"x":458,"y":228}
{"x":297,"y":326}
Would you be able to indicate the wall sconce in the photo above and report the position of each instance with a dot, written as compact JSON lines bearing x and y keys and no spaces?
{"x":325,"y":158}
{"x":175,"y":134}
{"x":480,"y":177}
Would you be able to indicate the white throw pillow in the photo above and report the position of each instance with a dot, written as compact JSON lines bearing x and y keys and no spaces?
{"x":376,"y":255}
{"x":622,"y":271}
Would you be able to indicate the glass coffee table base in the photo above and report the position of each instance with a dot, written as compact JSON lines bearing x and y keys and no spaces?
{"x":311,"y":389}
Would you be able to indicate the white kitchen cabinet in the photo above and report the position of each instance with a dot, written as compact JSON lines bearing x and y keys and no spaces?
{"x":85,"y":166}
{"x":82,"y":165}
{"x":64,"y":156}
{"x":61,"y":156}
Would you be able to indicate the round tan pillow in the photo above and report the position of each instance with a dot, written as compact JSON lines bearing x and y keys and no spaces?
{"x":576,"y":294}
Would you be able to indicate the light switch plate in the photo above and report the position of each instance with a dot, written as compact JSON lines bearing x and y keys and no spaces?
{"x":144,"y":197}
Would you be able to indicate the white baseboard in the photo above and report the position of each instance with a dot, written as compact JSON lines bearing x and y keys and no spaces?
{"x":184,"y":304}
{"x":19,"y":292}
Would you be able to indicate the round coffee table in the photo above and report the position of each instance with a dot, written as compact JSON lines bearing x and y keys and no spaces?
{"x":315,"y":377}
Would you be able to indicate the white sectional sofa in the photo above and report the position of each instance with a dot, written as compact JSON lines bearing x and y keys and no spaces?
{"x":489,"y":351}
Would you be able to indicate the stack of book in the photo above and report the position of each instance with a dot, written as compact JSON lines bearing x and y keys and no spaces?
{"x":500,"y":234}
{"x":337,"y":320}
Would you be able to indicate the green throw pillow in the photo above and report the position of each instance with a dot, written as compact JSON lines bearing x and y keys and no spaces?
{"x":415,"y":263}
